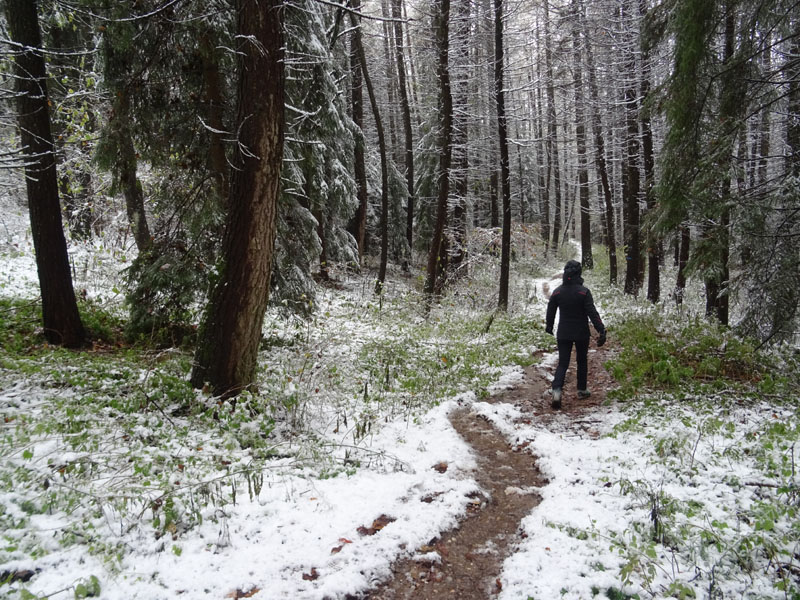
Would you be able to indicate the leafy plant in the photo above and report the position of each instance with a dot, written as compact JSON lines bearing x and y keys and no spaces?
{"x":655,"y":355}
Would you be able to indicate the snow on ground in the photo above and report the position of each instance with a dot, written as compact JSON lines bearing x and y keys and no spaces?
{"x":297,"y":537}
{"x":594,"y":521}
{"x":301,"y":535}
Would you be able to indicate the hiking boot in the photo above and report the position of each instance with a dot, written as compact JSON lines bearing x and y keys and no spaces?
{"x":556,"y":403}
{"x":584,"y":393}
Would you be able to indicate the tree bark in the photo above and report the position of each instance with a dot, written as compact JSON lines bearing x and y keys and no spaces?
{"x":631,"y":182}
{"x":487,"y":30}
{"x":552,"y":129}
{"x":359,"y":226}
{"x":391,"y":82}
{"x":212,"y":88}
{"x":405,"y":107}
{"x":442,"y":17}
{"x":460,"y":141}
{"x":718,"y":284}
{"x":600,"y":164}
{"x":683,"y":260}
{"x":229,"y":338}
{"x":494,"y":192}
{"x":384,"y":221}
{"x":61,"y":320}
{"x":543,"y":171}
{"x":587,"y":260}
{"x":125,"y":165}
{"x":505,"y":175}
{"x":655,"y":245}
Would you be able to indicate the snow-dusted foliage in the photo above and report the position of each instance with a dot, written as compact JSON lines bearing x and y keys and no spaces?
{"x":770,"y":282}
{"x":318,"y":194}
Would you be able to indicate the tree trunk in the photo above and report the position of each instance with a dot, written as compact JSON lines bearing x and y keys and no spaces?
{"x":655,"y":245}
{"x":212,"y":89}
{"x":127,"y":166}
{"x":718,"y":285}
{"x":117,"y":70}
{"x":442,"y":19}
{"x":494,"y":192}
{"x":683,"y":260}
{"x":405,"y":107}
{"x":460,"y":140}
{"x":505,"y":175}
{"x":359,"y":225}
{"x":61,"y":320}
{"x":543,"y":172}
{"x":587,"y":260}
{"x":552,"y":131}
{"x":631,"y":182}
{"x":391,"y":82}
{"x":600,"y":164}
{"x":229,"y":338}
{"x":491,"y":110}
{"x":384,"y":221}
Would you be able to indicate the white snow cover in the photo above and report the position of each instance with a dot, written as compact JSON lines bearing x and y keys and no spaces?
{"x":291,"y":527}
{"x":601,"y":482}
{"x":297,"y":537}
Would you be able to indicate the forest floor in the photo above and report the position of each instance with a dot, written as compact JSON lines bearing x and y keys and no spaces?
{"x":391,"y":454}
{"x":469,"y":558}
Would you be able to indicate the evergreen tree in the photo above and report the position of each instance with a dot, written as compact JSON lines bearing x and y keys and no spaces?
{"x":505,"y":175}
{"x":62,"y":322}
{"x":318,"y":192}
{"x":445,"y":131}
{"x":169,"y":100}
{"x":230,"y":334}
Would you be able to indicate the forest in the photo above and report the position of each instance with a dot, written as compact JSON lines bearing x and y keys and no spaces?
{"x":257,"y":256}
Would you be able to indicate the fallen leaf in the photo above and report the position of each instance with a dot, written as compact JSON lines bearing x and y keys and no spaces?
{"x":337,"y":549}
{"x":237,"y":593}
{"x":311,"y":576}
{"x":345,"y":541}
{"x":377,"y":525}
{"x":430,"y":497}
{"x":382,"y":522}
{"x":440,"y":467}
{"x":498,"y":583}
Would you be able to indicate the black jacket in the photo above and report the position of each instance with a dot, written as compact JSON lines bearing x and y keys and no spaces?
{"x":574,"y":301}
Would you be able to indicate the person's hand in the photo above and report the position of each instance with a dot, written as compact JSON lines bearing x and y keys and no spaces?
{"x":601,"y":339}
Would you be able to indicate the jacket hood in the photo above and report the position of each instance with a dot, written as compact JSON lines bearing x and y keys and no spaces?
{"x":572,"y":272}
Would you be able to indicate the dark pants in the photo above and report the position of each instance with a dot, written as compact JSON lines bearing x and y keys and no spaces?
{"x":564,"y":351}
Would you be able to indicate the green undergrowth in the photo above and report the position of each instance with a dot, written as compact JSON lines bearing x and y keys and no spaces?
{"x":21,"y":325}
{"x":714,"y":511}
{"x":698,"y":356}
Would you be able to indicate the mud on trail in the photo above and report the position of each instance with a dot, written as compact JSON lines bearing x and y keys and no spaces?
{"x":471,"y":556}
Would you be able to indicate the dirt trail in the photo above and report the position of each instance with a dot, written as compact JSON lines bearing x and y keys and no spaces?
{"x":472,"y":555}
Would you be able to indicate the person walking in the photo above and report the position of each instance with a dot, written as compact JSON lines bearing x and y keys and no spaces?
{"x":576,"y":308}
